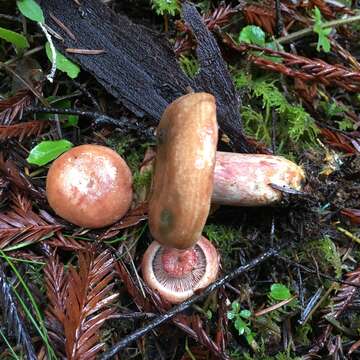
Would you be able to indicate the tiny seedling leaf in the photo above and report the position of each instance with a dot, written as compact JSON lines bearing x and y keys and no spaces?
{"x":240,"y":325}
{"x":279,"y":292}
{"x":252,"y":34}
{"x":47,"y":151}
{"x":323,"y":40}
{"x":235,"y":306}
{"x":31,"y":10}
{"x":15,"y":38}
{"x":245,"y":314}
{"x":63,"y":63}
{"x":230,"y":315}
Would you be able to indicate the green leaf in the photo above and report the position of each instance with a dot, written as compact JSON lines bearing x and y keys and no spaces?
{"x":245,"y":314}
{"x":15,"y":38}
{"x":31,"y":10}
{"x":250,"y":338}
{"x":273,"y":46}
{"x":317,"y":15}
{"x":252,"y":34}
{"x":279,"y":292}
{"x":240,"y":325}
{"x":323,"y":43}
{"x":345,"y":124}
{"x":323,"y":40}
{"x":230,"y":315}
{"x":47,"y":151}
{"x":235,"y":306}
{"x":63,"y":63}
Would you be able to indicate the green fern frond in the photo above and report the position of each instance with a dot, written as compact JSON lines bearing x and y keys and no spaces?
{"x":294,"y":123}
{"x":166,"y":7}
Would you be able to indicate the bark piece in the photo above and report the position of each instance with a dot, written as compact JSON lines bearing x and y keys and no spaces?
{"x":138,"y":66}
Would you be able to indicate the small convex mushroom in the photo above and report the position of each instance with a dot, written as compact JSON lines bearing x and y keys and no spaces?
{"x":181,"y":261}
{"x":90,"y":186}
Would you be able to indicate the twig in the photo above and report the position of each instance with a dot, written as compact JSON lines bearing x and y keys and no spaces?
{"x":279,"y":20}
{"x":300,"y":67}
{"x":10,"y":18}
{"x":51,"y":75}
{"x":304,"y":32}
{"x":274,"y":307}
{"x":313,"y":271}
{"x":133,"y":316}
{"x":183,"y":306}
{"x":88,"y":94}
{"x":26,"y":84}
{"x":99,"y":119}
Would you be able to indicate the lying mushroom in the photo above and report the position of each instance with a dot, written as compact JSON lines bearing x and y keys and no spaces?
{"x":245,"y":179}
{"x":90,"y":186}
{"x":181,"y":261}
{"x":183,"y":180}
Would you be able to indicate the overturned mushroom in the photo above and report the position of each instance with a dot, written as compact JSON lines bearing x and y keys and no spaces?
{"x":90,"y":186}
{"x":181,"y":261}
{"x":185,"y":180}
{"x":246,"y":179}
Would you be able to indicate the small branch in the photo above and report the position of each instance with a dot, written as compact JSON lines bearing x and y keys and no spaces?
{"x":162,"y":319}
{"x":51,"y":75}
{"x":304,"y":32}
{"x":275,"y":306}
{"x":313,"y":271}
{"x":99,"y":119}
{"x":279,"y":19}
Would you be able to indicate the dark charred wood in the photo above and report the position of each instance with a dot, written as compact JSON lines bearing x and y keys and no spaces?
{"x":138,"y":66}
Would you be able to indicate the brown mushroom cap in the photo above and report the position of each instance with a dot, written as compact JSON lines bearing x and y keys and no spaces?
{"x":177,"y":274}
{"x":90,"y":186}
{"x":184,"y":168}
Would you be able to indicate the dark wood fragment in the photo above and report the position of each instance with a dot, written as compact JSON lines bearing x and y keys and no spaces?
{"x":138,"y":66}
{"x":215,"y":78}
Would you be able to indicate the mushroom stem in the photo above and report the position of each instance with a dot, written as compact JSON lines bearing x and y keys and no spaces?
{"x":244,"y":179}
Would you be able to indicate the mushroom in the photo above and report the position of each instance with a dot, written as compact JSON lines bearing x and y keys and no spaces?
{"x":181,"y":261}
{"x":177,"y":274}
{"x":245,"y":179}
{"x":90,"y":186}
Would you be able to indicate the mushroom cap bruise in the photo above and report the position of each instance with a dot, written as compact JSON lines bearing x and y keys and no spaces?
{"x":184,"y":169}
{"x":90,"y":186}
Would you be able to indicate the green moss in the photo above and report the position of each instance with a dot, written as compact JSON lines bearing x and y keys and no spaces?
{"x":225,"y":238}
{"x":261,"y":355}
{"x":302,"y":334}
{"x":142,"y":180}
{"x":326,"y":254}
{"x":133,"y":153}
{"x":189,"y":65}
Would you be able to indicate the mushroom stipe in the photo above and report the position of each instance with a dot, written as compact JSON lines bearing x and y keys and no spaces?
{"x":189,"y":175}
